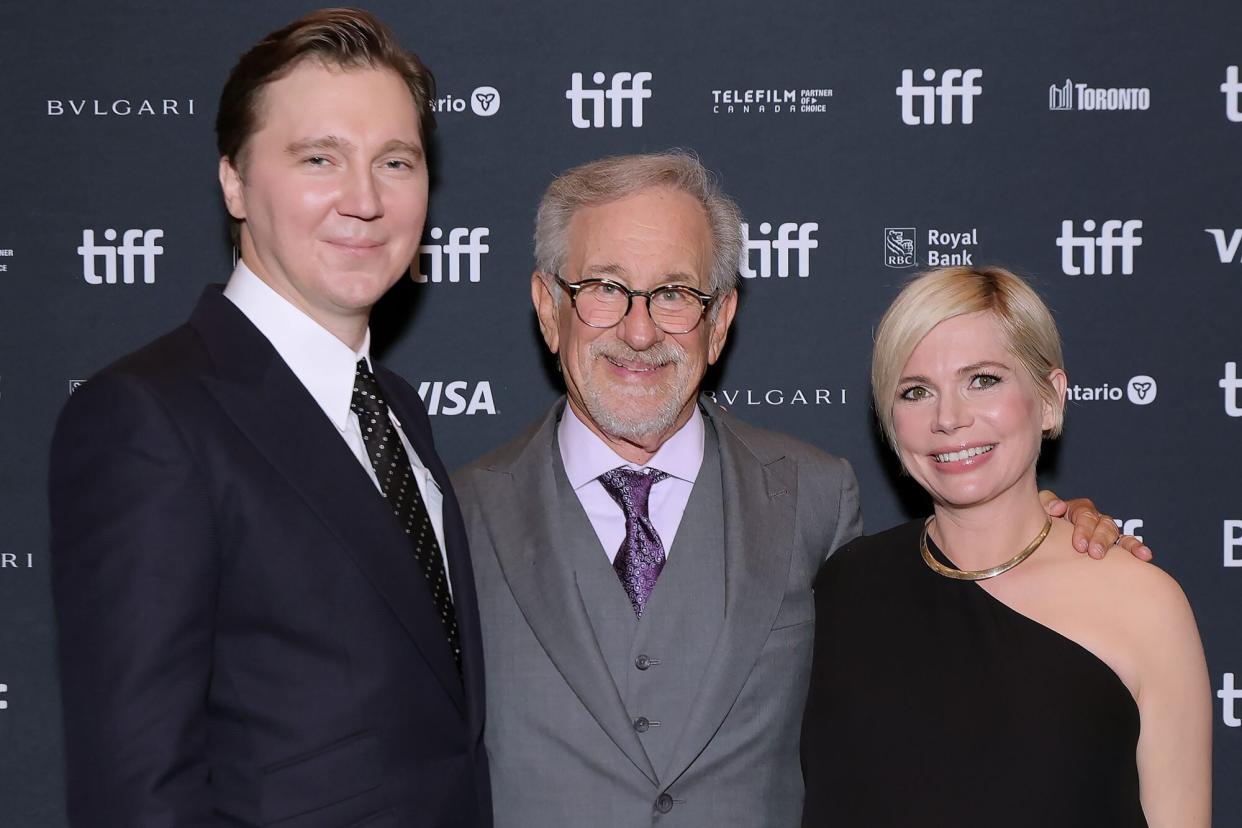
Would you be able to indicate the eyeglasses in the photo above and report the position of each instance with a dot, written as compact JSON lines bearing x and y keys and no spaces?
{"x":603,"y":303}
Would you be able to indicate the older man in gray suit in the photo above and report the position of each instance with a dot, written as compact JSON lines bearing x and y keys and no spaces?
{"x":644,"y":559}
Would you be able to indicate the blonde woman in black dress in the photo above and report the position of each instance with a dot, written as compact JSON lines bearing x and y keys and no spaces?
{"x":972,"y":669}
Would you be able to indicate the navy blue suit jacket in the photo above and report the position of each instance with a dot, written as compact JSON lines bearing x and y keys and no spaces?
{"x":245,"y":638}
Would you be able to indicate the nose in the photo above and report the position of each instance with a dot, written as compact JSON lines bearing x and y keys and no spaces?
{"x":952,"y":413}
{"x":637,"y":329}
{"x":360,"y":196}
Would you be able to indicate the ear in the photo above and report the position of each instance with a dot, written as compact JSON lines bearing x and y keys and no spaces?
{"x":1054,"y":413}
{"x":231,"y":187}
{"x":725,"y":310}
{"x":546,"y":309}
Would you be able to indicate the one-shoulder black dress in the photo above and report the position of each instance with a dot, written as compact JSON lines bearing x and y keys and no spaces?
{"x":934,"y":704}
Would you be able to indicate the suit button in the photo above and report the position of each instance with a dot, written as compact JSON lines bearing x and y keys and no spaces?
{"x":641,"y":724}
{"x":642,"y":662}
{"x":664,"y":803}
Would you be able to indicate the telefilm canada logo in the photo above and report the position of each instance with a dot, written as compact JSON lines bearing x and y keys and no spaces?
{"x":952,"y":97}
{"x":120,"y":107}
{"x":457,"y":397}
{"x":788,"y":253}
{"x":483,"y":101}
{"x":1138,"y":390}
{"x":615,"y":101}
{"x":1070,"y":96}
{"x":452,"y":256}
{"x":1115,"y":241}
{"x":120,"y":260}
{"x":944,"y":248}
{"x":774,"y":101}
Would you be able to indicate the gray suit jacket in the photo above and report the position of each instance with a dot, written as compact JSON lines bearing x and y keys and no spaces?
{"x":561,"y":744}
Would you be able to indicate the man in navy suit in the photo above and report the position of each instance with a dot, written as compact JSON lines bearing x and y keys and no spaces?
{"x":267,"y":612}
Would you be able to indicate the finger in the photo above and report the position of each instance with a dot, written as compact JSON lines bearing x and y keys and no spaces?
{"x":1104,"y":536}
{"x":1135,"y":547}
{"x":1085,"y":524}
{"x":1053,"y":505}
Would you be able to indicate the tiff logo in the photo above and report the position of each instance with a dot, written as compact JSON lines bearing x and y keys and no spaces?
{"x":1233,"y":543}
{"x":1107,"y":242}
{"x":625,"y":86}
{"x":1227,"y":249}
{"x":1229,"y":695}
{"x":134,"y":244}
{"x":464,"y":244}
{"x":1130,"y":526}
{"x":1232,"y":88}
{"x":790,"y":237}
{"x":955,"y":84}
{"x":1233,"y":390}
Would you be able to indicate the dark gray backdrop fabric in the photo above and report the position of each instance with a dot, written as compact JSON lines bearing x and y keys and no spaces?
{"x":1091,"y":146}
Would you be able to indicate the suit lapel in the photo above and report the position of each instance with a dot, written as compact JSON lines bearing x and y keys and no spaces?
{"x":281,"y":419}
{"x":521,"y":507}
{"x":759,"y":498}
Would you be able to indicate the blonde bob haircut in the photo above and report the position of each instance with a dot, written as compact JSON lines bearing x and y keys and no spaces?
{"x":932,"y":297}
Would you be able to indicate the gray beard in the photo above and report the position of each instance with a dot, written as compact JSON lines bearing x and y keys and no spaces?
{"x":611,"y":415}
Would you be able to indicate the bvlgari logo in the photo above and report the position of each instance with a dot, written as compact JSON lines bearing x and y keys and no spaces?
{"x":120,"y":107}
{"x":778,"y":396}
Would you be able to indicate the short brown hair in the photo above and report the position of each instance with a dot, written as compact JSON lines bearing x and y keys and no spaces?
{"x":347,"y":38}
{"x":932,"y":297}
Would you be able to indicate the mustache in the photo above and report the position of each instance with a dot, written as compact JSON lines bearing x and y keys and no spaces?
{"x":665,"y":352}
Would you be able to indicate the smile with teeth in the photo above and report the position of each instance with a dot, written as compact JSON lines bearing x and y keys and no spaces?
{"x":636,"y":367}
{"x":964,"y":454}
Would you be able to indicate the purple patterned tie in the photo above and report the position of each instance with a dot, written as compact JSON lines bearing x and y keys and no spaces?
{"x":641,"y":556}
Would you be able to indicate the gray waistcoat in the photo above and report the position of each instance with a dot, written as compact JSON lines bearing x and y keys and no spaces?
{"x":657,"y":663}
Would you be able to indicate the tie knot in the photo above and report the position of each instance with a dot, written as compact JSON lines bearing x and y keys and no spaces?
{"x":367,"y":395}
{"x":631,"y":487}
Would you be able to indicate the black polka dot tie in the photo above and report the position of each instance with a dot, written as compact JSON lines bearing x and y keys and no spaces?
{"x":396,"y":480}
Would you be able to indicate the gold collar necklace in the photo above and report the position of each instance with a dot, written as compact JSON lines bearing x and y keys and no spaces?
{"x":979,"y":574}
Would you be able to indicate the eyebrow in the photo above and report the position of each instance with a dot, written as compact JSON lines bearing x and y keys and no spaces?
{"x":965,"y":369}
{"x":333,"y":142}
{"x":616,"y":271}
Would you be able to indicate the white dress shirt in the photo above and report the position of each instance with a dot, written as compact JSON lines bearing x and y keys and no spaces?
{"x":326,"y":367}
{"x":586,"y":456}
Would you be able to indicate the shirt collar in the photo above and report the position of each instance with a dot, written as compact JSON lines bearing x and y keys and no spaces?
{"x":586,"y":456}
{"x":321,"y":362}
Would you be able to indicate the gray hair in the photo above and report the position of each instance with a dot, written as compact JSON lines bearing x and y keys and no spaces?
{"x":616,"y":177}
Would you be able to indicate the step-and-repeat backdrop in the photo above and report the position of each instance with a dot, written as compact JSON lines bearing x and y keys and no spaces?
{"x":1095,"y":147}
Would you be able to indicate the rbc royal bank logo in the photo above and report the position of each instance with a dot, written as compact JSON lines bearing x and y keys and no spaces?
{"x":1078,"y":253}
{"x":457,"y":397}
{"x":791,"y":238}
{"x":1232,"y":88}
{"x":899,"y":247}
{"x":465,"y":245}
{"x":135,"y":245}
{"x":586,"y":106}
{"x":956,"y":90}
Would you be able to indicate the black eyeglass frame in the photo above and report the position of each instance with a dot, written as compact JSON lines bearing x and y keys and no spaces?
{"x":572,"y":289}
